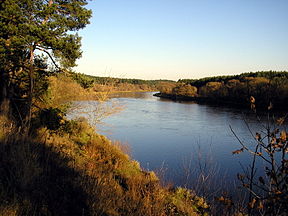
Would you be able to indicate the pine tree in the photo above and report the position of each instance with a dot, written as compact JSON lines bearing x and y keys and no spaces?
{"x":30,"y":30}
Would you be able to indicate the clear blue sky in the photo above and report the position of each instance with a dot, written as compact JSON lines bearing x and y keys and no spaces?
{"x":173,"y":39}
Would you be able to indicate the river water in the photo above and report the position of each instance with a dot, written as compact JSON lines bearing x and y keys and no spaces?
{"x":182,"y":141}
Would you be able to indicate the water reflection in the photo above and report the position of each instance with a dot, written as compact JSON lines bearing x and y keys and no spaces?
{"x":136,"y":95}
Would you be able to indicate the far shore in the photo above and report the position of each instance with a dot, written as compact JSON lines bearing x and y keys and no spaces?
{"x":227,"y":102}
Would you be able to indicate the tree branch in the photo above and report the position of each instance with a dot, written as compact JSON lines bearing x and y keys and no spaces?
{"x":43,"y":50}
{"x":246,"y":148}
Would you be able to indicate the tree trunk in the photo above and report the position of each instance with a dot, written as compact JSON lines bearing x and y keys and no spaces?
{"x":4,"y":93}
{"x":31,"y":87}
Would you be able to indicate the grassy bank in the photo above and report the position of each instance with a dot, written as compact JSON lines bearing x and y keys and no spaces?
{"x":75,"y":171}
{"x":63,"y":167}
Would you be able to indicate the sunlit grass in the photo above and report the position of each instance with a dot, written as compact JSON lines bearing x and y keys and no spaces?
{"x":77,"y":170}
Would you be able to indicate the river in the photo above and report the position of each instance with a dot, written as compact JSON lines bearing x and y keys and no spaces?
{"x":184,"y":142}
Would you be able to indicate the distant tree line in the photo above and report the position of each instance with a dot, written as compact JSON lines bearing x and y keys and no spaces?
{"x":88,"y":81}
{"x":105,"y":80}
{"x":266,"y":74}
{"x":265,"y":86}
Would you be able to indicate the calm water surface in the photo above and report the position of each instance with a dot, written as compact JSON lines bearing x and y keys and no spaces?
{"x":173,"y":136}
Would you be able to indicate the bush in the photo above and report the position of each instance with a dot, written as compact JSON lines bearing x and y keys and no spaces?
{"x":267,"y":185}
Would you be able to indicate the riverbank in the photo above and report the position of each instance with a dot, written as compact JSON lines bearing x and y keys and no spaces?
{"x":204,"y":100}
{"x":63,"y":167}
{"x":75,"y":171}
{"x":278,"y":106}
{"x":265,"y":89}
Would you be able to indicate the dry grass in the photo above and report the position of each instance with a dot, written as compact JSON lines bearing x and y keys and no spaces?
{"x":79,"y":172}
{"x":74,"y":171}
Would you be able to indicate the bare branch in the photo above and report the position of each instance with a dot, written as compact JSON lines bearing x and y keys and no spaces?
{"x":43,"y":50}
{"x":246,"y":148}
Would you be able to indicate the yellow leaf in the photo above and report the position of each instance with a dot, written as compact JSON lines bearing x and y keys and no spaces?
{"x":278,"y":192}
{"x":252,"y":100}
{"x":283,"y":136}
{"x":238,"y":151}
{"x":280,"y":121}
{"x":270,"y":106}
{"x":252,"y":203}
{"x":260,"y":205}
{"x":258,"y":136}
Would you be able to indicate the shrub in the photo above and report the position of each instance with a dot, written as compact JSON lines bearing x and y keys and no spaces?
{"x":267,"y":187}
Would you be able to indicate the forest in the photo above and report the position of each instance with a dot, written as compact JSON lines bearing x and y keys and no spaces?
{"x":100,"y":84}
{"x":267,"y":87}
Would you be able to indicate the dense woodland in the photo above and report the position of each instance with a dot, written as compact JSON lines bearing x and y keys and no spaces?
{"x":265,"y":86}
{"x":100,"y":84}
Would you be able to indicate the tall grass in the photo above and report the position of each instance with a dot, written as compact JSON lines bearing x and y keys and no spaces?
{"x":74,"y":171}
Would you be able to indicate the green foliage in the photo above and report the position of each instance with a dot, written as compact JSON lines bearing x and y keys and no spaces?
{"x":111,"y":80}
{"x":30,"y":30}
{"x":84,"y":80}
{"x":266,"y":74}
{"x":19,"y":89}
{"x":52,"y":118}
{"x":183,"y":198}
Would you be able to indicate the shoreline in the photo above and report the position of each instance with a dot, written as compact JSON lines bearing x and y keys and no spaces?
{"x":224,"y":102}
